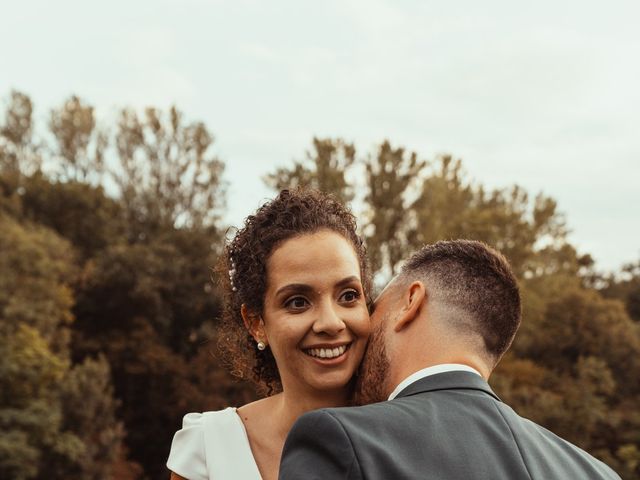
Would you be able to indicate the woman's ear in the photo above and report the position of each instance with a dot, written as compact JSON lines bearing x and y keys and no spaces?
{"x":254,"y":324}
{"x":411,"y":303}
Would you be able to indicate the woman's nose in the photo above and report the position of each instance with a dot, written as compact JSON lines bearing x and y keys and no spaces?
{"x":328,"y":321}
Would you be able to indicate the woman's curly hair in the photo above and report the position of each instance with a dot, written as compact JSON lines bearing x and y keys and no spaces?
{"x":243,"y":271}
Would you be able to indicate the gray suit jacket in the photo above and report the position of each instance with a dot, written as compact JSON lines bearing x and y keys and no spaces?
{"x":445,"y":426}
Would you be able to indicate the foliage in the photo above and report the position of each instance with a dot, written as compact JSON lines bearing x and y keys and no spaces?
{"x":165,"y":173}
{"x":40,"y":389}
{"x":89,"y":410}
{"x":324,"y":169}
{"x":108,"y":313}
{"x":391,"y":176}
{"x":625,"y":287}
{"x":80,"y":146}
{"x":19,"y":154}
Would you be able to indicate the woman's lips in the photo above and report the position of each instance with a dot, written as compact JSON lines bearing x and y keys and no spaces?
{"x":328,"y":354}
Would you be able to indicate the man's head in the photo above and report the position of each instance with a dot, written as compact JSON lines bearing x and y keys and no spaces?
{"x":453,"y":302}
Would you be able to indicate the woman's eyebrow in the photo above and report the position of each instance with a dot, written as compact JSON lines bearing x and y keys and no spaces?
{"x":348,"y":280}
{"x":295,"y":287}
{"x":304,"y":288}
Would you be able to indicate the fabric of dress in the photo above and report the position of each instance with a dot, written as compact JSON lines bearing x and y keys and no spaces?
{"x":213,"y":446}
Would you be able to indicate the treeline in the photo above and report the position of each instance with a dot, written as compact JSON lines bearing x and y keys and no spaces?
{"x":108,"y":310}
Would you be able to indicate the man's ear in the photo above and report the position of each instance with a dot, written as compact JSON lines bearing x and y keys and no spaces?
{"x":254,"y":324}
{"x":412,"y":300}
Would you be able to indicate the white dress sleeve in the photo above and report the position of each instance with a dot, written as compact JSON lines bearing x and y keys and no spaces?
{"x":213,"y":446}
{"x":187,"y":457}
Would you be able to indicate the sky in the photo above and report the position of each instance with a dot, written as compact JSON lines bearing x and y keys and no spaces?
{"x":541,"y":94}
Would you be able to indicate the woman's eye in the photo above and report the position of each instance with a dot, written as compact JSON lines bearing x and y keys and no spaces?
{"x":296,"y":303}
{"x":350,"y":296}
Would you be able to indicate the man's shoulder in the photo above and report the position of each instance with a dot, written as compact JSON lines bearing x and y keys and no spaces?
{"x":423,"y":429}
{"x":347,"y":414}
{"x":534,"y":438}
{"x":348,"y":421}
{"x":385,"y":416}
{"x":423,"y":405}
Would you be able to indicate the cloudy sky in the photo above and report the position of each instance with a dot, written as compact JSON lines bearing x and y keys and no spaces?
{"x":544,"y":94}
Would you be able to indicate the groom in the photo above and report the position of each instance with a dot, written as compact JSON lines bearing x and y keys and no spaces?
{"x":440,"y":328}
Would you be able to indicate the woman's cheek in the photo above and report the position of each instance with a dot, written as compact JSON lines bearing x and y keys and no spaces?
{"x":361,"y":324}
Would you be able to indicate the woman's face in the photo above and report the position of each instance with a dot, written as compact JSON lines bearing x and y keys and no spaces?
{"x":315,"y":315}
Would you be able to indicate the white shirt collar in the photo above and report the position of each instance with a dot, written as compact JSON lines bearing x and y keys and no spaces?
{"x":425,"y":372}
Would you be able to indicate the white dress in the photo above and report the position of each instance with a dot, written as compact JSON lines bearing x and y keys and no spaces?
{"x":213,"y":446}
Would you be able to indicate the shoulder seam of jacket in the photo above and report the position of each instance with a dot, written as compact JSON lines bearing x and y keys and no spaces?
{"x":526,"y":467}
{"x":356,"y":461}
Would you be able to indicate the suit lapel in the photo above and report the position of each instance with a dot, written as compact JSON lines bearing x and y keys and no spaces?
{"x":448,"y":381}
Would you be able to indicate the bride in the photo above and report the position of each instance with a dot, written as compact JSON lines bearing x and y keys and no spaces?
{"x":295,"y":321}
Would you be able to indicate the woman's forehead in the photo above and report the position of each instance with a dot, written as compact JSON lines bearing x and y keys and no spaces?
{"x":313,"y":258}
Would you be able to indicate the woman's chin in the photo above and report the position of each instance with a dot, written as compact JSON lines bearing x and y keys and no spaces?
{"x":337,"y":383}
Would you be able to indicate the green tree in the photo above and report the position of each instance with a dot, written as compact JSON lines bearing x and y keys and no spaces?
{"x":165,"y":172}
{"x":18,"y":151}
{"x":577,"y":373}
{"x":148,"y":307}
{"x":392,"y":177}
{"x":625,"y":287}
{"x":19,"y":154}
{"x":79,"y":212}
{"x":324,"y":169}
{"x":89,"y":410}
{"x":34,"y":440}
{"x":37,"y":268}
{"x":450,"y":206}
{"x":80,"y":145}
{"x":37,"y":377}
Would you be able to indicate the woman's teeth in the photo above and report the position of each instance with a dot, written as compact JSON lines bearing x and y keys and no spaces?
{"x":327,"y":352}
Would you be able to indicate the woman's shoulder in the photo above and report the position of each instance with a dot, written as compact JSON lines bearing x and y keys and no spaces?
{"x":197,"y":420}
{"x":191,"y":445}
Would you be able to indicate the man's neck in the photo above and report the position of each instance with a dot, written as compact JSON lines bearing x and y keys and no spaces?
{"x":430,"y":370}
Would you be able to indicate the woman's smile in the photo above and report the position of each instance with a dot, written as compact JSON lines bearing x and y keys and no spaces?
{"x":328,"y":355}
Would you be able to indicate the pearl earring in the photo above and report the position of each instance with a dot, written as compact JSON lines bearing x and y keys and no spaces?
{"x":261,"y":345}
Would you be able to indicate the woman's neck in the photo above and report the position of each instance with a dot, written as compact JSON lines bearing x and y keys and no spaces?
{"x":268,"y":421}
{"x":291,"y":405}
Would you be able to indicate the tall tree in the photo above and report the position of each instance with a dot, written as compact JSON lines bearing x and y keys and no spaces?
{"x":450,"y":206}
{"x":624,"y":286}
{"x":148,"y":307}
{"x":324,"y":169}
{"x":18,"y":151}
{"x":89,"y":410}
{"x":392,"y":177}
{"x":165,"y":172}
{"x":80,"y":145}
{"x":577,"y":374}
{"x":37,"y":378}
{"x":80,"y":212}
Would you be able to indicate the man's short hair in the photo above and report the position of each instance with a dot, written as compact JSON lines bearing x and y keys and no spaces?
{"x":476,"y":283}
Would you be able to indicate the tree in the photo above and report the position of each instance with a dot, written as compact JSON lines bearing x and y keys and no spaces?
{"x":392,"y":177}
{"x":577,"y":372}
{"x":30,"y":411}
{"x":148,"y":307}
{"x":37,"y":269}
{"x":624,"y":287}
{"x":19,"y":154}
{"x":39,"y":386}
{"x":450,"y":206}
{"x":166,"y":175}
{"x":324,"y":169}
{"x":80,"y":146}
{"x":89,"y":410}
{"x":81,"y":213}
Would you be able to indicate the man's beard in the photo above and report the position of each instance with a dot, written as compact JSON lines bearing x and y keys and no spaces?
{"x":373,"y":372}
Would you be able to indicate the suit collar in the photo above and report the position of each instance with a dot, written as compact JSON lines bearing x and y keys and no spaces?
{"x":448,"y":381}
